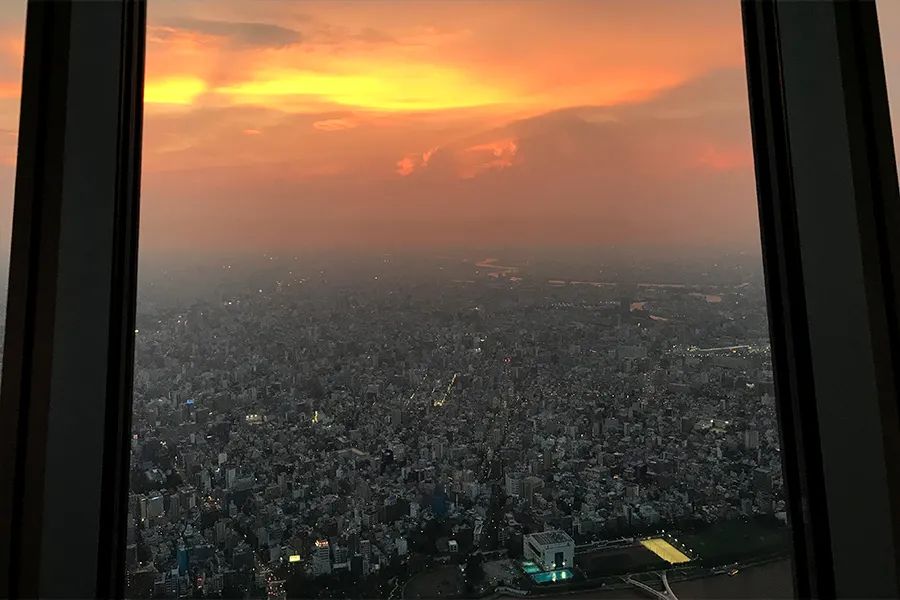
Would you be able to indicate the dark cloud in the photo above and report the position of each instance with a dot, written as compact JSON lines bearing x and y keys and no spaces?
{"x":239,"y":33}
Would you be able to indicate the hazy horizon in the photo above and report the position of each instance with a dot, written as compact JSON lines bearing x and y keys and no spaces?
{"x":285,"y":127}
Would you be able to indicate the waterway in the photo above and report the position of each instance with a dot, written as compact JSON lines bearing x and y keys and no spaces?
{"x":771,"y":580}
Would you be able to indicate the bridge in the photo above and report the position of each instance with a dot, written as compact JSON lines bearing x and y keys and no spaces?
{"x":668,"y":594}
{"x":604,"y":544}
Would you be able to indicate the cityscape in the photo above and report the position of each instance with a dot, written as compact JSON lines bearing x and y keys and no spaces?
{"x":396,"y":426}
{"x":462,"y":300}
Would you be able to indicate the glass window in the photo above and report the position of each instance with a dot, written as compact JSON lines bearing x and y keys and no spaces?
{"x":439,"y":297}
{"x":889,"y":24}
{"x":12,"y":49}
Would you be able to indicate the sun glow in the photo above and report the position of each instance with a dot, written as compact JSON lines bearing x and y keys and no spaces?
{"x":377,"y":87}
{"x":174,"y":90}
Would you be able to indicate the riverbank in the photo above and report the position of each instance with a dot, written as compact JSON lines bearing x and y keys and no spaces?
{"x":772,"y":581}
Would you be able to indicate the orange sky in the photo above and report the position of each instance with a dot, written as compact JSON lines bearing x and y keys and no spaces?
{"x":279,"y":124}
{"x":276,"y":124}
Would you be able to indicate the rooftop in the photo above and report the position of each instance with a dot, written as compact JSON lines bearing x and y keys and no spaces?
{"x":547,"y":538}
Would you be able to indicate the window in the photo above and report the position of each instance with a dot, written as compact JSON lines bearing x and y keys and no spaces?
{"x":393,"y":408}
{"x":12,"y":25}
{"x":416,"y":285}
{"x":889,"y":24}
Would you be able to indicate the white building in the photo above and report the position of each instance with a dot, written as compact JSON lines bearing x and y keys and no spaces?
{"x":549,"y":549}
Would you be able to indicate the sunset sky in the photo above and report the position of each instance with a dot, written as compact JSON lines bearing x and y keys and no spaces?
{"x":275,"y":125}
{"x":451,"y":122}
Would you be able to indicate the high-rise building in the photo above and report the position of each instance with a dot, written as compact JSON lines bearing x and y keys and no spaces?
{"x":632,"y":493}
{"x":514,"y":484}
{"x":530,"y":487}
{"x":548,"y":460}
{"x":174,"y":507}
{"x":762,"y":480}
{"x":751,"y":439}
{"x":155,"y":506}
{"x":322,"y":558}
{"x":439,"y":448}
{"x":371,"y":393}
{"x":365,"y":549}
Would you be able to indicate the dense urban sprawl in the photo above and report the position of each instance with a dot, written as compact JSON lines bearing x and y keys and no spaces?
{"x":311,"y":429}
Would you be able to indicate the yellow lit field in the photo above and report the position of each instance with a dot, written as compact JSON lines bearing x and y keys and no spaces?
{"x":665,"y":551}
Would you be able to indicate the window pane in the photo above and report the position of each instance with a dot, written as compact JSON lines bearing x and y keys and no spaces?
{"x":438,"y":297}
{"x":12,"y":49}
{"x":889,"y":24}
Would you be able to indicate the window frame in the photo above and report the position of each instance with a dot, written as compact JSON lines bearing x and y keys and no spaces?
{"x":828,"y":198}
{"x":817,"y":99}
{"x":71,"y":302}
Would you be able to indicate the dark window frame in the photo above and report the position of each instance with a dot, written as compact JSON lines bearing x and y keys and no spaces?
{"x":828,"y":200}
{"x":65,"y":401}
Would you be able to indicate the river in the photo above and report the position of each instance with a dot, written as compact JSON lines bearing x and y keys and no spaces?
{"x":770,"y":581}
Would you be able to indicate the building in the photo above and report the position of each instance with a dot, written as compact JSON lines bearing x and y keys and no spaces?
{"x":751,"y":439}
{"x":322,"y":558}
{"x":550,"y":549}
{"x":155,"y":506}
{"x":632,"y":493}
{"x":514,"y":484}
{"x":530,"y":486}
{"x":365,"y":549}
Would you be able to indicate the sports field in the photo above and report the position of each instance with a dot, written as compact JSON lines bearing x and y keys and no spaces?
{"x":665,"y":551}
{"x":619,"y":560}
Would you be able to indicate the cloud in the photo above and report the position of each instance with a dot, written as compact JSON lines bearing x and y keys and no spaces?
{"x":339,"y":124}
{"x":488,"y":156}
{"x":413,"y":162}
{"x":239,"y":33}
{"x":406,"y":166}
{"x":717,"y":91}
{"x":673,"y":170}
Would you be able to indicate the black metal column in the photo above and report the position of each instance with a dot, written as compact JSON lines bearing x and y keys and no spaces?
{"x":66,"y":389}
{"x":828,"y":206}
